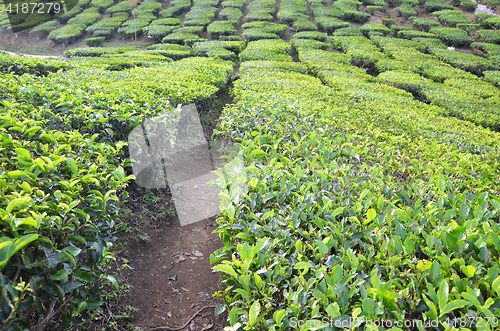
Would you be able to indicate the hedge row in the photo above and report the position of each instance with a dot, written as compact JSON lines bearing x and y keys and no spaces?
{"x":269,"y":50}
{"x":349,"y":9}
{"x":311,"y":239}
{"x":22,"y":65}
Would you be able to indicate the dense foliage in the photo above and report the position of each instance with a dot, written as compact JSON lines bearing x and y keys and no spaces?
{"x":63,"y":172}
{"x":348,"y":215}
{"x":371,"y":154}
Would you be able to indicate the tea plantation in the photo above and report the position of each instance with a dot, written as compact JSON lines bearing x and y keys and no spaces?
{"x":369,"y":131}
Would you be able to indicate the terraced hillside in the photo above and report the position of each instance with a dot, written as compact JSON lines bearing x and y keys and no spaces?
{"x":369,"y":133}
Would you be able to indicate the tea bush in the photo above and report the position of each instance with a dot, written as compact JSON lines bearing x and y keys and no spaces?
{"x":173,"y":51}
{"x":176,"y":7}
{"x":363,"y":52}
{"x":330,"y":24}
{"x":451,"y":17}
{"x":320,"y":10}
{"x":86,"y":18}
{"x":406,"y":10}
{"x":309,"y":43}
{"x":424,"y":23}
{"x":304,"y":25}
{"x":388,"y":21}
{"x":452,"y":36}
{"x":121,"y":7}
{"x":492,"y":77}
{"x":268,"y":27}
{"x":321,"y":36}
{"x":269,"y":50}
{"x":101,"y":4}
{"x":159,"y":31}
{"x":200,"y":15}
{"x":489,"y":36}
{"x":133,"y":27}
{"x":108,"y":24}
{"x":213,"y":49}
{"x":220,"y":28}
{"x":231,"y":14}
{"x":248,"y":66}
{"x":371,"y":29}
{"x":57,"y":219}
{"x":430,"y":43}
{"x":94,"y":41}
{"x":234,"y":46}
{"x":94,"y":51}
{"x":182,"y":38}
{"x":233,"y":3}
{"x":492,"y":22}
{"x":43,"y":28}
{"x":291,"y":11}
{"x":468,"y":5}
{"x":436,"y":5}
{"x":349,"y":9}
{"x":67,"y":33}
{"x":347,"y":32}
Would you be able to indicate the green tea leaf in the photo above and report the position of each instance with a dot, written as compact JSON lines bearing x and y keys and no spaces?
{"x":254,"y":312}
{"x":455,"y":304}
{"x":226,"y":269}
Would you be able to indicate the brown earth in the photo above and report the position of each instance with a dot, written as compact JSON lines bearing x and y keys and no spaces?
{"x":172,"y":277}
{"x":163,"y":269}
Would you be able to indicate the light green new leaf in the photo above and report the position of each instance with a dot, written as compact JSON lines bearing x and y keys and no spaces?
{"x":254,"y":312}
{"x":9,"y":248}
{"x":226,"y":269}
{"x":496,"y":285}
{"x":468,"y":271}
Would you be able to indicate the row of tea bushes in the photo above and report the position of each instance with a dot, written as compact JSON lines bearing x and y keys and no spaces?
{"x":213,"y":49}
{"x":176,"y":8}
{"x":160,"y":28}
{"x":328,"y":18}
{"x":35,"y":66}
{"x":62,"y":138}
{"x":407,"y":56}
{"x":455,"y":101}
{"x":267,"y":50}
{"x":257,"y":30}
{"x":350,"y":12}
{"x":95,"y":51}
{"x":261,"y":10}
{"x":293,"y":12}
{"x":410,"y":54}
{"x":173,"y":51}
{"x":361,"y":203}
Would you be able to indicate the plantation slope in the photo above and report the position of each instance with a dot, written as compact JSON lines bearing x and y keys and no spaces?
{"x":361,"y":201}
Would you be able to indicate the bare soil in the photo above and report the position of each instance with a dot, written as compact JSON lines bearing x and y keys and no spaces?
{"x":172,"y":277}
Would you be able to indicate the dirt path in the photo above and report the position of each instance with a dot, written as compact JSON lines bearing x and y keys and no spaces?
{"x":172,"y":277}
{"x":34,"y":56}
